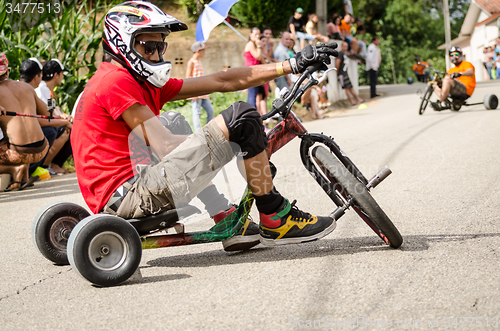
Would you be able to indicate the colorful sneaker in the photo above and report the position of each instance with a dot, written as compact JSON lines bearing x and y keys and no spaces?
{"x":436,"y":106}
{"x":290,"y":225}
{"x":246,"y":238}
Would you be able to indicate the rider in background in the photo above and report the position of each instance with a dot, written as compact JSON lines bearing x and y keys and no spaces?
{"x":420,"y":70}
{"x":459,"y":83}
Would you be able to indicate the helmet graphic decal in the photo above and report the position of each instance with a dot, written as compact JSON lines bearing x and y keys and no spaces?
{"x":126,"y":21}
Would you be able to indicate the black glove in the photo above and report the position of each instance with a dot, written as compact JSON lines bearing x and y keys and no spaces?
{"x":175,"y":122}
{"x":310,"y":55}
{"x":455,"y":75}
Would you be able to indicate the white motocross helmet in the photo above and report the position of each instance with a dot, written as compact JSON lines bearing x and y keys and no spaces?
{"x":124,"y":22}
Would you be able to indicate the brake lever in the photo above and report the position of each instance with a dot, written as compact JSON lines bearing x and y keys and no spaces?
{"x":288,"y":97}
{"x":325,"y":75}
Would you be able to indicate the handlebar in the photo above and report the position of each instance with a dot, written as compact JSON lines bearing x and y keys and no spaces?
{"x":287,"y":98}
{"x":435,"y":71}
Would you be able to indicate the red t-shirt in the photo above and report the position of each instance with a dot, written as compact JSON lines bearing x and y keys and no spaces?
{"x":100,"y":137}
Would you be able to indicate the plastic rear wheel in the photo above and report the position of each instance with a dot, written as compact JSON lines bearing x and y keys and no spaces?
{"x":52,"y":227}
{"x":425,"y":99}
{"x":104,"y":249}
{"x":490,"y":101}
{"x":364,"y":204}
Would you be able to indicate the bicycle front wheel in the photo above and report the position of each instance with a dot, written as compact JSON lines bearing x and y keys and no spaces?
{"x":425,"y":99}
{"x":363,"y":202}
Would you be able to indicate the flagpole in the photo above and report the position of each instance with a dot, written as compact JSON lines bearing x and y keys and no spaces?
{"x":232,"y":28}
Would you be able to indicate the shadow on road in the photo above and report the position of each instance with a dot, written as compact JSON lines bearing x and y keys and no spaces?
{"x":55,"y":188}
{"x":325,"y":247}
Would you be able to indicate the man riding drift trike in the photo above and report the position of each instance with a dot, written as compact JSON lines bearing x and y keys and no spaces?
{"x":138,"y":174}
{"x":458,"y":84}
{"x":127,"y":93}
{"x":454,"y":87}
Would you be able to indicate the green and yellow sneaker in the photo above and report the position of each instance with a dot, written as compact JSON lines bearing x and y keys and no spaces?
{"x":246,"y":238}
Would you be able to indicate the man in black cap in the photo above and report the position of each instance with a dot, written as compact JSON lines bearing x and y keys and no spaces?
{"x":53,"y":74}
{"x":31,"y":72}
{"x":60,"y":150}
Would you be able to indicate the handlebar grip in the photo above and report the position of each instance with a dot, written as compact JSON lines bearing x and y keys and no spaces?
{"x":312,"y":68}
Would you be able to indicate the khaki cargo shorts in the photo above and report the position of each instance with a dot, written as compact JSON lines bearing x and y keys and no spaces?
{"x":180,"y":176}
{"x":458,"y":90}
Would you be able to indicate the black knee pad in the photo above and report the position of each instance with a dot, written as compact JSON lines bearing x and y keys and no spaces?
{"x":245,"y":128}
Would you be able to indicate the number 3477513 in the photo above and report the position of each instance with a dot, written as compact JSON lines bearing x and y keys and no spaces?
{"x":33,"y":7}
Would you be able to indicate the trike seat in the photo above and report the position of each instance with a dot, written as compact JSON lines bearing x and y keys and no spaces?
{"x":460,"y":98}
{"x":163,"y":220}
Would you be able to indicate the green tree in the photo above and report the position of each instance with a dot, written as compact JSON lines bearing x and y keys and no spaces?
{"x":261,"y":13}
{"x":408,"y":29}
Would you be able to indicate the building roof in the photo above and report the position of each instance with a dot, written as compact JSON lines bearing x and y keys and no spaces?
{"x":489,"y":19}
{"x":490,"y":6}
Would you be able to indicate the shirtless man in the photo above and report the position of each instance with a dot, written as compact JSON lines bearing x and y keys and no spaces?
{"x":24,"y":142}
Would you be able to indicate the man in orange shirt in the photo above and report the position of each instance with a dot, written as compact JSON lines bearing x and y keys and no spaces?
{"x":345,"y":30}
{"x":419,"y":68}
{"x":459,"y":83}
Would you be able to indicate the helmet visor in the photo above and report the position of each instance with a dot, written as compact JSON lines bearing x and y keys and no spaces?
{"x":150,"y":46}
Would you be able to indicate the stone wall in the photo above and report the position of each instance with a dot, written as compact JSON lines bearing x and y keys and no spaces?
{"x":218,"y":56}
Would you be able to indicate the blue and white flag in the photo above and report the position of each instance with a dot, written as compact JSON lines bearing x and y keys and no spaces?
{"x":214,"y":14}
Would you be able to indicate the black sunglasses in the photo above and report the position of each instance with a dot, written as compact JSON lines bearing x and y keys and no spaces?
{"x":151,"y":46}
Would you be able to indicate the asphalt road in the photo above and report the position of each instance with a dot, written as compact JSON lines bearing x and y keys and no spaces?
{"x":443,"y":196}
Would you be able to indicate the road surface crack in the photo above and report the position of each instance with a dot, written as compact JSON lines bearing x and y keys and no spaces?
{"x":19,"y":291}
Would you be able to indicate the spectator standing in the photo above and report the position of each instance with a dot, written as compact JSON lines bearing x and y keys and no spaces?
{"x":348,"y":7}
{"x":497,"y":66}
{"x":263,"y":91}
{"x":373,"y":60}
{"x":60,"y":150}
{"x":281,"y":54}
{"x":296,"y":27}
{"x":291,"y":51}
{"x":253,"y":56}
{"x":488,"y":61}
{"x":342,"y":64}
{"x":268,"y":48}
{"x":195,"y":69}
{"x":420,"y":70}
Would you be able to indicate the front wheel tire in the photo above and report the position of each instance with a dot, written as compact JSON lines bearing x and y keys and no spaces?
{"x":364,"y":204}
{"x":425,"y":99}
